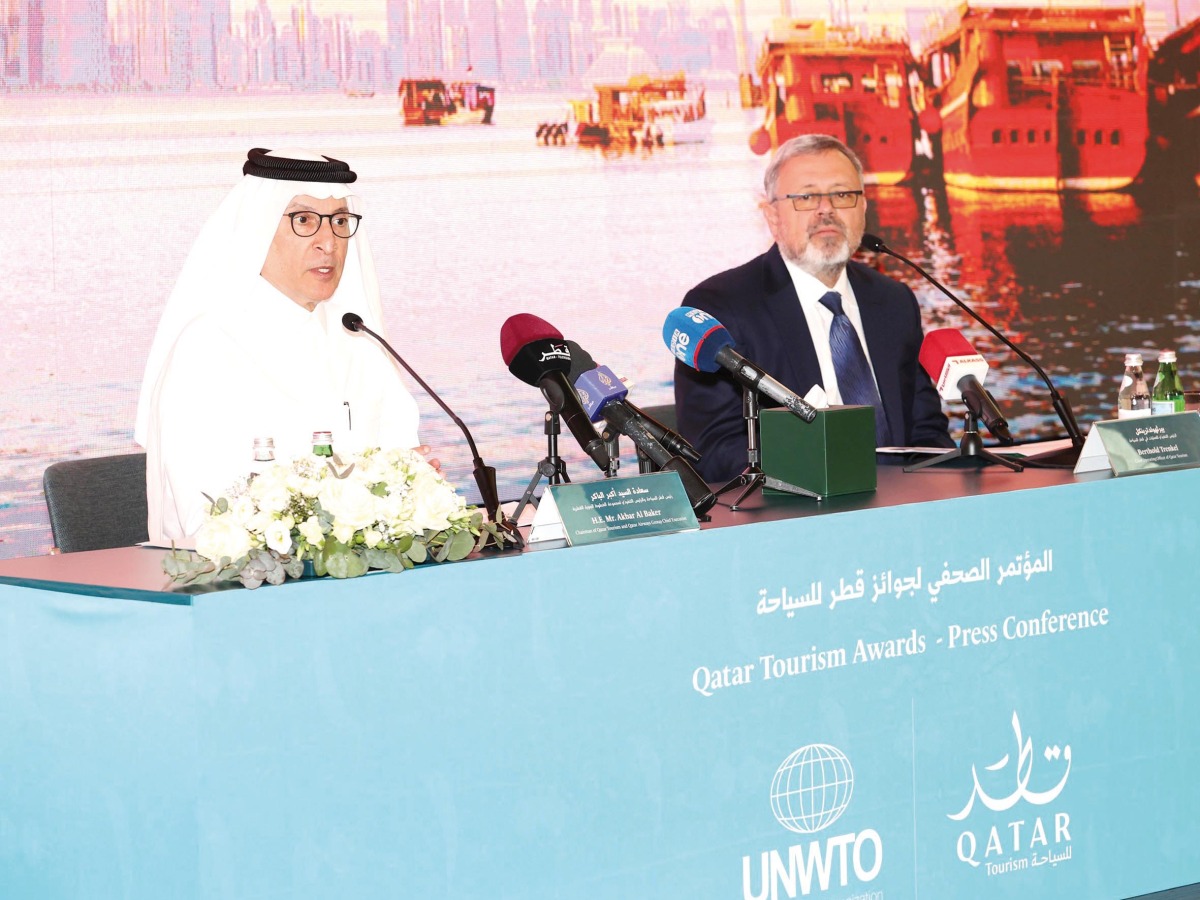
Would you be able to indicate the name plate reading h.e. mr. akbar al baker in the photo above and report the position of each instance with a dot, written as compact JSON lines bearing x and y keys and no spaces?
{"x":622,"y":508}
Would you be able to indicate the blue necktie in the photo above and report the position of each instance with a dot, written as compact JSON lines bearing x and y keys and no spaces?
{"x":855,"y":381}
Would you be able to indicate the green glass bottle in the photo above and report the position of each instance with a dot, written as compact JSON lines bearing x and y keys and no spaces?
{"x":322,"y":443}
{"x":1167,"y":396}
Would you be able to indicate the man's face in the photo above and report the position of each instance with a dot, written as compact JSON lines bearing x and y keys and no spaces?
{"x":821,"y":240}
{"x":307,"y":269}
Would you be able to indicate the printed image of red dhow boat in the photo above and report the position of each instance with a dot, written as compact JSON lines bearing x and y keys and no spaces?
{"x":1174,"y":79}
{"x":1039,"y":99}
{"x":817,"y":79}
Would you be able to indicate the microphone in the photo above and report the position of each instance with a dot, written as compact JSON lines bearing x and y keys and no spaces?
{"x":599,"y":389}
{"x":603,"y":397}
{"x":1060,"y":403}
{"x":700,"y":341}
{"x":958,"y":372}
{"x":621,"y":417}
{"x":485,"y":476}
{"x":534,"y":351}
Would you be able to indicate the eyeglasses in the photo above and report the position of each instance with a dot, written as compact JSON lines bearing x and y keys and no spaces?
{"x":837,"y":199}
{"x":306,"y":223}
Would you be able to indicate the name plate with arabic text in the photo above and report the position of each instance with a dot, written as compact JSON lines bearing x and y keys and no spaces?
{"x":1146,"y":444}
{"x":619,"y":508}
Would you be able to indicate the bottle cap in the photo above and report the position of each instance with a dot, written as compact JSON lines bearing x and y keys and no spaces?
{"x":1166,"y":356}
{"x":1133,"y":359}
{"x":322,"y":437}
{"x":264,"y":449}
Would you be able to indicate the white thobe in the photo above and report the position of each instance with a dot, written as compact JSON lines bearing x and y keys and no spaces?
{"x":275,"y":371}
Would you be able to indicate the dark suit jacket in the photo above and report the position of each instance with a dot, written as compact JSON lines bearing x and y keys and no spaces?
{"x":757,"y":303}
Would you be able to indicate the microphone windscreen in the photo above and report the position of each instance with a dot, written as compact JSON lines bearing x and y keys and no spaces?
{"x":352,"y":321}
{"x":581,"y":361}
{"x":694,"y":338}
{"x":537,"y":359}
{"x":872,"y":243}
{"x":519,"y":330}
{"x":947,"y":357}
{"x":597,"y":388}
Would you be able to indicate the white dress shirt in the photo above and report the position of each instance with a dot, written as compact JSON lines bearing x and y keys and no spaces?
{"x":810,"y":290}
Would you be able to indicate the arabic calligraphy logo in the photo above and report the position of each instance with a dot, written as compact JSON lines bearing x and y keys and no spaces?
{"x":812,"y":788}
{"x":1020,"y":783}
{"x":556,"y":351}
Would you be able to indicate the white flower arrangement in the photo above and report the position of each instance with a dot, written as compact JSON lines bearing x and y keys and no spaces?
{"x":381,"y":509}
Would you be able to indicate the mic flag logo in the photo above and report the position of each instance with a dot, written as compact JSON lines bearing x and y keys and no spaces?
{"x":812,"y":788}
{"x":556,"y":351}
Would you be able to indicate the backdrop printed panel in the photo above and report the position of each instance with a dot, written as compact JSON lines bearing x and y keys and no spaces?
{"x":587,"y":162}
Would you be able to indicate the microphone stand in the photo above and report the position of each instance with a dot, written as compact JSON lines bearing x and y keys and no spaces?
{"x":1061,"y":405}
{"x":753,"y":477}
{"x":485,"y":475}
{"x":552,"y":467}
{"x":970,"y":447}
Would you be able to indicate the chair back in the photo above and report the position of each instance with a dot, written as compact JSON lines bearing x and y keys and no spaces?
{"x":97,"y":503}
{"x":665,"y":414}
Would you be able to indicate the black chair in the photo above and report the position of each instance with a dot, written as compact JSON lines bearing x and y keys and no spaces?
{"x":97,"y":503}
{"x":664,"y":414}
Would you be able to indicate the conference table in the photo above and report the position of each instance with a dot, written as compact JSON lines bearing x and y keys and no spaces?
{"x":969,"y":683}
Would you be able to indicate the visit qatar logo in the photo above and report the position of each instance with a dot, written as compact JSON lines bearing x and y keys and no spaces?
{"x":1014,"y":819}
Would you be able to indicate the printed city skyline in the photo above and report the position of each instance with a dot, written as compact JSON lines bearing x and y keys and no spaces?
{"x":221,"y":45}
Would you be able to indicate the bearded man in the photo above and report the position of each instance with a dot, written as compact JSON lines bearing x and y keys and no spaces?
{"x":808,"y":315}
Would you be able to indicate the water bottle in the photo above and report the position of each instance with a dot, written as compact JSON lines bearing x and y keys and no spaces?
{"x":1133,"y":400}
{"x":264,"y":449}
{"x":1168,"y":390}
{"x":322,"y":443}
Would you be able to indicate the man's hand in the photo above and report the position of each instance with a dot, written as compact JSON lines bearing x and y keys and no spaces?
{"x":425,"y":450}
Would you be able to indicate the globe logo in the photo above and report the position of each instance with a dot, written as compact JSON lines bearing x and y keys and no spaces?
{"x":811,"y":788}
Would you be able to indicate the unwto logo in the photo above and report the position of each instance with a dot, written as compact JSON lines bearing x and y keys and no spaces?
{"x":810,"y":790}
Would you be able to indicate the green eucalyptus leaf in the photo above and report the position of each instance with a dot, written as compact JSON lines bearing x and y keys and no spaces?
{"x":250,"y":581}
{"x":460,"y":546}
{"x":346,"y":564}
{"x":416,"y":553}
{"x":378,"y":557}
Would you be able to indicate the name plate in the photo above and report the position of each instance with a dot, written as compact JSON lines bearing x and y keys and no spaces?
{"x":1146,"y":444}
{"x":619,"y":508}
